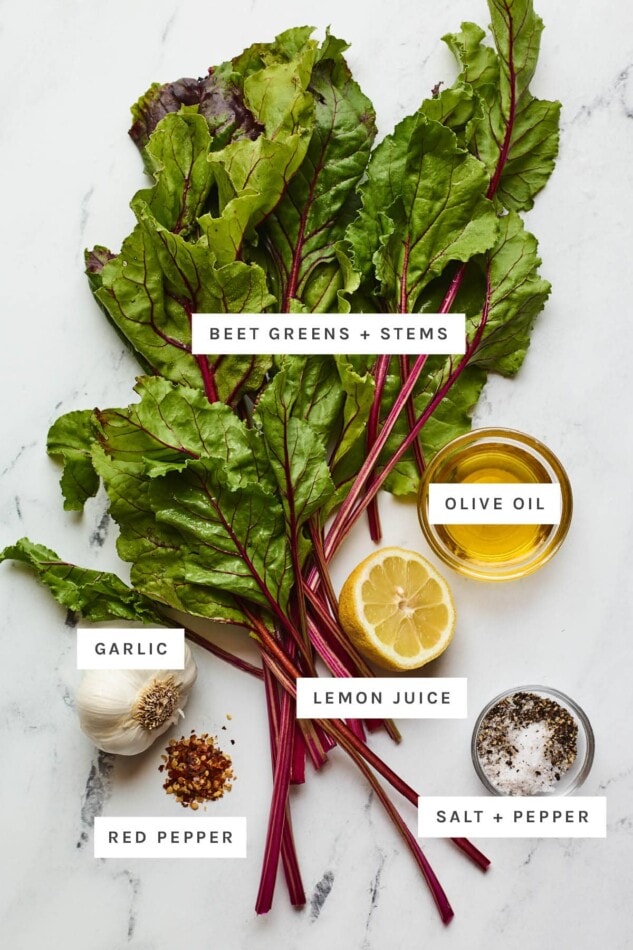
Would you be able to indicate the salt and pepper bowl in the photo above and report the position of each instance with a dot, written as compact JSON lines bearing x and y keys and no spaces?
{"x":576,"y":774}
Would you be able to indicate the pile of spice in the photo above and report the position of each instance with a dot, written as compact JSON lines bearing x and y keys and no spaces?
{"x":526,"y":743}
{"x":197,"y":770}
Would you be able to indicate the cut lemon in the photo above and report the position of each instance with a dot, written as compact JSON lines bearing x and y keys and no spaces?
{"x":397,"y":610}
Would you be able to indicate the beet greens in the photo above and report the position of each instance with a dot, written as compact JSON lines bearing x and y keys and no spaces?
{"x":235,"y":479}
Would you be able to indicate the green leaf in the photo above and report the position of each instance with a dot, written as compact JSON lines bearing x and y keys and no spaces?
{"x":96,"y":595}
{"x":233,"y":536}
{"x":131,"y":293}
{"x":385,"y":174}
{"x":515,"y":135}
{"x":285,"y":47}
{"x":301,"y":236}
{"x":480,"y":65}
{"x":517,"y":296}
{"x":70,"y":438}
{"x":193,"y":283}
{"x":319,"y":396}
{"x":297,"y":454}
{"x":179,"y":260}
{"x":172,"y":425}
{"x":453,"y":107}
{"x":359,"y":387}
{"x":516,"y":30}
{"x":532,"y":154}
{"x":349,"y":448}
{"x":191,"y":490}
{"x":151,"y":289}
{"x":191,"y":279}
{"x":252,"y":175}
{"x":177,"y":154}
{"x":157,"y":553}
{"x":436,"y":210}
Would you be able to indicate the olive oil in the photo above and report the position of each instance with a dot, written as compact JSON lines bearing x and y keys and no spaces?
{"x":495,"y":552}
{"x":490,"y":463}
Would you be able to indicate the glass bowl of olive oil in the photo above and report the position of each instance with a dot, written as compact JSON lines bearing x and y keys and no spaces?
{"x":493,"y":551}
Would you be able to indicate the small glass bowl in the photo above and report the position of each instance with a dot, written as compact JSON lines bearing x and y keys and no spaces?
{"x":534,"y":462}
{"x":576,"y":774}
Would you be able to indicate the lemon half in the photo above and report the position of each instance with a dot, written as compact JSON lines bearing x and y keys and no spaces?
{"x":397,"y":609}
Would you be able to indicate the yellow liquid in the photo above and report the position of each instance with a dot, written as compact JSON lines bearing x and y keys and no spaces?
{"x":493,"y":543}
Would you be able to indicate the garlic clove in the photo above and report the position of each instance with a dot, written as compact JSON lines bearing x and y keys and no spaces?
{"x":132,"y":740}
{"x":104,"y":695}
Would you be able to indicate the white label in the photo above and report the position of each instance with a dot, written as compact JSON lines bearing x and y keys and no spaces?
{"x":383,"y":696}
{"x":510,"y":816}
{"x":301,"y":334}
{"x":494,"y":503}
{"x":170,"y":837}
{"x":126,"y":648}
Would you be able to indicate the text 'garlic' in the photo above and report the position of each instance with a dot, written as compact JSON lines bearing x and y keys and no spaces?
{"x":124,"y":711}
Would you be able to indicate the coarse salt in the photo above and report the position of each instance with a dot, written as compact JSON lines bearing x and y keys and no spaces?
{"x":526,"y":743}
{"x":530,"y":771}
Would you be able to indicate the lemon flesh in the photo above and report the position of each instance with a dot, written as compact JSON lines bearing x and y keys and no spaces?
{"x":397,"y":609}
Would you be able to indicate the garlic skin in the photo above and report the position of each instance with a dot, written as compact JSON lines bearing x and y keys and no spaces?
{"x":124,"y":711}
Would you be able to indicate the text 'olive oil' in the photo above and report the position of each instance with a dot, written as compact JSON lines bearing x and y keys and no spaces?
{"x":495,"y":463}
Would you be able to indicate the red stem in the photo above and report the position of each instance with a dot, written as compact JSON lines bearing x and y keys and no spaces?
{"x":317,"y":743}
{"x":372,"y":457}
{"x":469,"y":849}
{"x":507,"y":139}
{"x":298,"y":761}
{"x":351,"y":664}
{"x":298,"y":764}
{"x":405,"y":369}
{"x":316,"y":748}
{"x":380,"y":376}
{"x":403,"y":303}
{"x":316,"y":536}
{"x":235,"y":661}
{"x":288,"y":851}
{"x":453,"y":289}
{"x":342,"y":654}
{"x":278,"y":806}
{"x":208,"y":378}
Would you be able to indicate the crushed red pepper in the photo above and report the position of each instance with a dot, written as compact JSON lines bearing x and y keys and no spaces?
{"x":197,"y":770}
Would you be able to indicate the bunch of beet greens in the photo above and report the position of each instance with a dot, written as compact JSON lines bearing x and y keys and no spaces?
{"x":268,"y":195}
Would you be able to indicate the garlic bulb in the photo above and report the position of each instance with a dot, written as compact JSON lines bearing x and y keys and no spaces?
{"x":124,"y":711}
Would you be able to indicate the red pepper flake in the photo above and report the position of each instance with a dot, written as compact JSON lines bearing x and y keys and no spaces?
{"x":197,"y":770}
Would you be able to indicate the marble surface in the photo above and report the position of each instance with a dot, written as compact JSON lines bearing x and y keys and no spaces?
{"x":71,"y":69}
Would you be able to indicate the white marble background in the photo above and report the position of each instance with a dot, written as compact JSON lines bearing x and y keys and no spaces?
{"x":71,"y":70}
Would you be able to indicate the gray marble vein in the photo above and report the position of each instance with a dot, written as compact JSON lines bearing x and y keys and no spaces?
{"x":97,"y":791}
{"x":100,"y":533}
{"x":321,"y":893}
{"x":15,"y":459}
